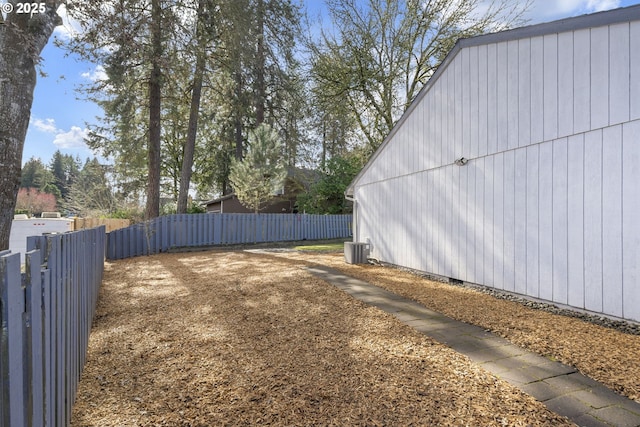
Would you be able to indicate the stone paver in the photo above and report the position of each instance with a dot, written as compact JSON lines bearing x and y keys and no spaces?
{"x":560,"y":387}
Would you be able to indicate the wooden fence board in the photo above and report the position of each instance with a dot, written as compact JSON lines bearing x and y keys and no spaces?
{"x":48,"y":373}
{"x":35,"y":377}
{"x":46,"y":315}
{"x":110,"y":223}
{"x":12,"y":341}
{"x":179,"y":231}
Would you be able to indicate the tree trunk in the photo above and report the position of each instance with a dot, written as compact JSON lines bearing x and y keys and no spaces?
{"x":21,"y":41}
{"x":323,"y":153}
{"x":194,"y":111}
{"x":155,"y":85}
{"x":260,"y":66}
{"x":238,"y":118}
{"x":190,"y":143}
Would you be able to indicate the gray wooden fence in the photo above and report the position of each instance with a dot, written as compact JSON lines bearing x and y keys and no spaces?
{"x":46,"y":320}
{"x":179,"y":231}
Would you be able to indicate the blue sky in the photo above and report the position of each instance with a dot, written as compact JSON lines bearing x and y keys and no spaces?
{"x":59,"y":118}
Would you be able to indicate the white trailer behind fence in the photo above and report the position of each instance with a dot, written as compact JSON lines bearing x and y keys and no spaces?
{"x":23,"y":227}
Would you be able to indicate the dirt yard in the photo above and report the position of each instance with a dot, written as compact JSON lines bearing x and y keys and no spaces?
{"x":239,"y":338}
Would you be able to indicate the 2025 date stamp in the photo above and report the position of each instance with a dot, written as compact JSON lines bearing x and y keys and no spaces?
{"x":23,"y":8}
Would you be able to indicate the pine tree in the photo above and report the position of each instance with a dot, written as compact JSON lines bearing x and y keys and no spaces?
{"x":65,"y":169}
{"x":258,"y":177}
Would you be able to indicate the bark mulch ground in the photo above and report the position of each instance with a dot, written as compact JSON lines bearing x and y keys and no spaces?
{"x":239,"y":338}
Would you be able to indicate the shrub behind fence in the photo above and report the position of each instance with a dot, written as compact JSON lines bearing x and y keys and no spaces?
{"x":110,"y":223}
{"x":180,"y":231}
{"x":46,"y":320}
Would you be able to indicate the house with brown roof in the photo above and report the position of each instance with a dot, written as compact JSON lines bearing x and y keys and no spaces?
{"x":298,"y":181}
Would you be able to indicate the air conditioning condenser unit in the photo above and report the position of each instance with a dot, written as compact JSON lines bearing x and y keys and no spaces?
{"x":356,"y":252}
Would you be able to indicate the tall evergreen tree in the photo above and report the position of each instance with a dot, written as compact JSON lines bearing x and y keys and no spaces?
{"x":259,"y":40}
{"x":155,"y":128}
{"x":204,"y":32}
{"x":35,"y":174}
{"x":128,"y":38}
{"x":65,"y":170}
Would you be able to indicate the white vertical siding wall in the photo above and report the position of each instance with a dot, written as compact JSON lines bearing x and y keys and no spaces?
{"x":548,"y":204}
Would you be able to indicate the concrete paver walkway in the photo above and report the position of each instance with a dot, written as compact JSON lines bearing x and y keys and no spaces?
{"x":560,"y":387}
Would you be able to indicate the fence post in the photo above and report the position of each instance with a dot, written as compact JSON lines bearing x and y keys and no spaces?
{"x":48,"y":364}
{"x":54,"y":244}
{"x":111,"y":238}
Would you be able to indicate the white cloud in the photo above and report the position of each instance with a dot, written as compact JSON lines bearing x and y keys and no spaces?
{"x":599,"y":5}
{"x":70,"y":28}
{"x":95,"y":75}
{"x":46,"y":125}
{"x":74,"y":138}
{"x":564,"y":6}
{"x":545,"y":10}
